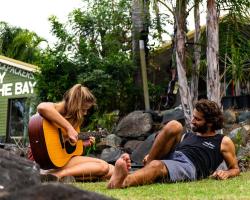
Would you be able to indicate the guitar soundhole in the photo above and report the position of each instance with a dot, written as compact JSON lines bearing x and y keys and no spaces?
{"x":69,"y":148}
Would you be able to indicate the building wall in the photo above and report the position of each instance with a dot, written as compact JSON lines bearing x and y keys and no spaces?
{"x":14,"y":83}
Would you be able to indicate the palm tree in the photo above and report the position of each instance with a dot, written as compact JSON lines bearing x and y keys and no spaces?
{"x":140,"y":25}
{"x":19,"y":44}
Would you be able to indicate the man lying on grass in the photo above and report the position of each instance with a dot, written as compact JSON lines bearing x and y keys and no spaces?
{"x":174,"y":158}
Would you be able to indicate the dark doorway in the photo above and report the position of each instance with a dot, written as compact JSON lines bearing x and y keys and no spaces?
{"x":17,"y":122}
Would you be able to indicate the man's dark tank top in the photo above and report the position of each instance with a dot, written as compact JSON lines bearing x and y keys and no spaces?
{"x":204,"y":152}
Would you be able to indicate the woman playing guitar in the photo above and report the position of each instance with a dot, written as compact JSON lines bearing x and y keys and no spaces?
{"x":68,"y":115}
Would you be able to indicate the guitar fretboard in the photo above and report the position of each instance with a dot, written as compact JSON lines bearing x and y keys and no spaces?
{"x":96,"y":134}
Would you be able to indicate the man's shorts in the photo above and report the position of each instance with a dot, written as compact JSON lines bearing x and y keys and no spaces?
{"x":180,"y":168}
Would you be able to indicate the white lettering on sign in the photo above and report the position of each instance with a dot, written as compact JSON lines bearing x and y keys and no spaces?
{"x":32,"y":85}
{"x":16,"y":71}
{"x":2,"y":75}
{"x":18,"y":88}
{"x":26,"y":87}
{"x":6,"y":89}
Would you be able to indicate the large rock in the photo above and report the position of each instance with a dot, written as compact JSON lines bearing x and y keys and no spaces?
{"x":14,"y":149}
{"x":229,"y":116}
{"x":53,"y":191}
{"x":173,"y":114}
{"x":247,"y":128}
{"x":113,"y":140}
{"x":142,"y":150}
{"x":243,"y":156}
{"x":135,"y":124}
{"x":111,"y":154}
{"x":239,"y":136}
{"x":244,"y":116}
{"x":131,"y":145}
{"x":16,"y":172}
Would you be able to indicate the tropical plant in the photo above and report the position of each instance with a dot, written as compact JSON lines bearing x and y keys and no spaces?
{"x":213,"y":78}
{"x":57,"y":73}
{"x":234,"y":50}
{"x":103,"y":121}
{"x":93,"y":48}
{"x":19,"y":43}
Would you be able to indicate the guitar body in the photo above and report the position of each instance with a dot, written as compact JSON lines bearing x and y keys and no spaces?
{"x":49,"y":146}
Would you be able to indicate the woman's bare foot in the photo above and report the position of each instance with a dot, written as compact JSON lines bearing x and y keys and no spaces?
{"x":122,"y":166}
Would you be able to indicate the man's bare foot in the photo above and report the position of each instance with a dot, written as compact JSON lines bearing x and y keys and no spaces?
{"x":126,"y":157}
{"x":122,"y":166}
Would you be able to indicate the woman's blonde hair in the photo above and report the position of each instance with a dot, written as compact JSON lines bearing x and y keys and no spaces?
{"x":74,"y":100}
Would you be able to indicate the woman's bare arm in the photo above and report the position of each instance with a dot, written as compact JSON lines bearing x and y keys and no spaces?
{"x":51,"y":112}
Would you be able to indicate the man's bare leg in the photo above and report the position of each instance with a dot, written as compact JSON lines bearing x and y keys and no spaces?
{"x":167,"y":138}
{"x":122,"y":166}
{"x":146,"y":175}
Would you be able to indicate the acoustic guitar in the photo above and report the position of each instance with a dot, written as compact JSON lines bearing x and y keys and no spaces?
{"x":49,"y":144}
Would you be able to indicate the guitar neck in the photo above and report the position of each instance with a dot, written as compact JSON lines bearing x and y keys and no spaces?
{"x":96,"y":134}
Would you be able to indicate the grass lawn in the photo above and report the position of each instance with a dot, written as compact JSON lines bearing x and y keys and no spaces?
{"x":235,"y":188}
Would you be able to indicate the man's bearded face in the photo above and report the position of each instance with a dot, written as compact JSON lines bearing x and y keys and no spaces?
{"x":198,"y":123}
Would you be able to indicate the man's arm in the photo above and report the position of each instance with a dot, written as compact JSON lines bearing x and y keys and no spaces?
{"x":228,"y":152}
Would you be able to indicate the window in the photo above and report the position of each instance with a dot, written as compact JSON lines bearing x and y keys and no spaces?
{"x":18,"y":114}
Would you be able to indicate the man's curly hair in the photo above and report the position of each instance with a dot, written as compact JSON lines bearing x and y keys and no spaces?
{"x":211,"y":113}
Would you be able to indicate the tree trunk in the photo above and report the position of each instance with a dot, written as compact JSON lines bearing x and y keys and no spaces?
{"x":139,"y":31}
{"x":213,"y":76}
{"x":181,"y":60}
{"x":137,"y":26}
{"x":197,"y":53}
